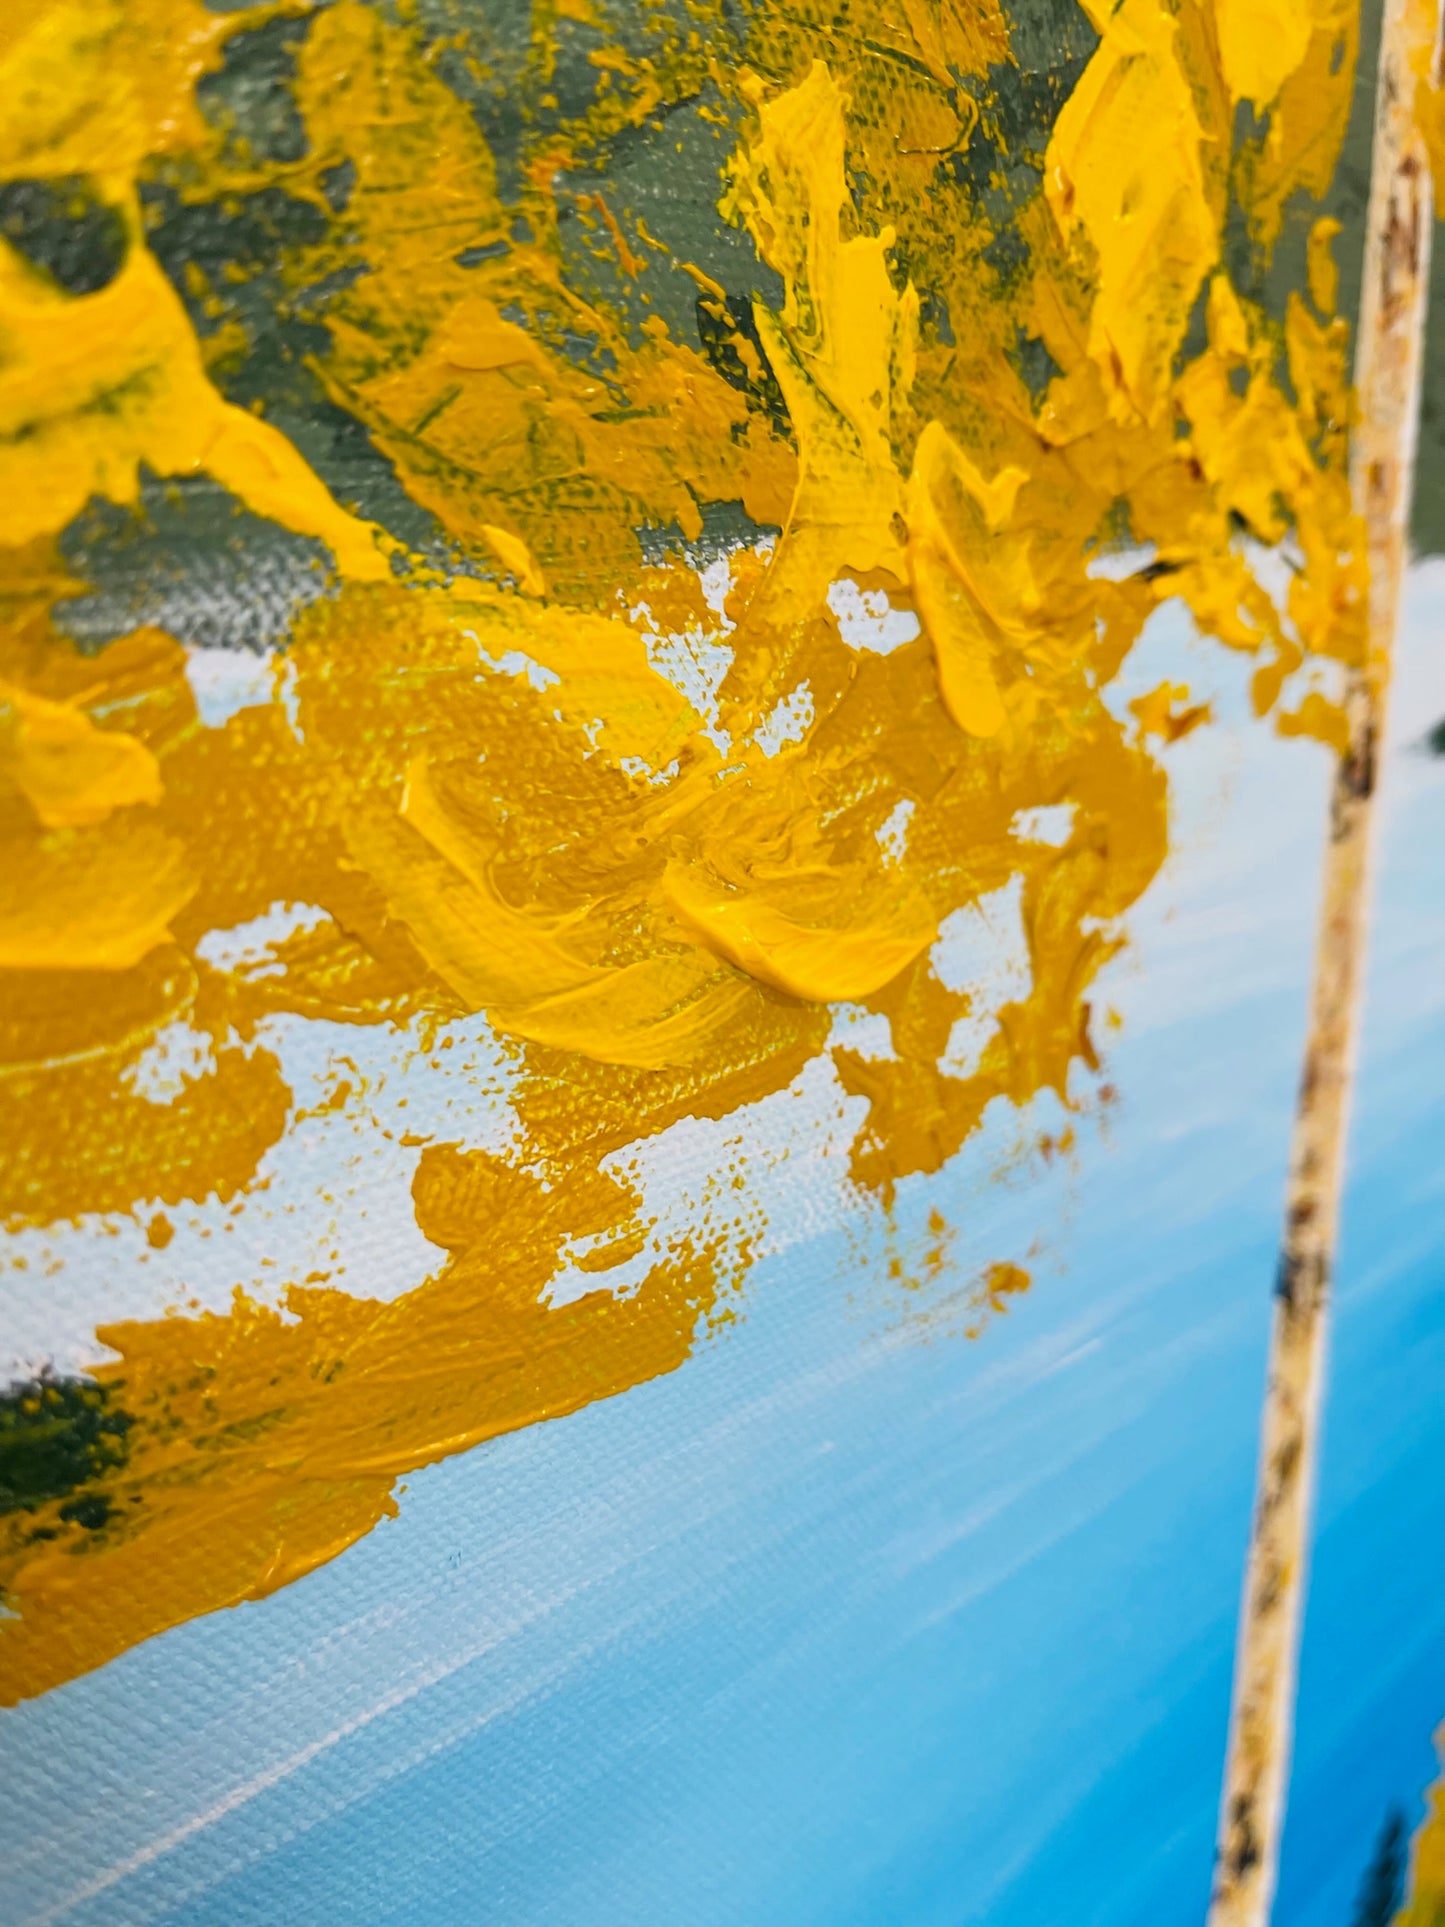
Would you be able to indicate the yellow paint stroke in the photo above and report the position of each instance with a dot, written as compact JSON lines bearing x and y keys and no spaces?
{"x":69,"y":771}
{"x":485,"y":788}
{"x":1127,"y":169}
{"x":1425,"y":1900}
{"x":127,"y":356}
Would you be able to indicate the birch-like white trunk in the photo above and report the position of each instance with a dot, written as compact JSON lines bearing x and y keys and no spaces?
{"x":1387,"y":380}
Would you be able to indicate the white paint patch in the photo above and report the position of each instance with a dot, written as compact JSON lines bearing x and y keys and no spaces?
{"x":515,"y":662}
{"x":768,"y":1177}
{"x":176,"y":1056}
{"x":1117,"y":565}
{"x":867,"y":619}
{"x":250,"y":948}
{"x":868,"y":1032}
{"x":288,"y":695}
{"x":984,"y":943}
{"x":654,"y":778}
{"x":1274,"y":569}
{"x":982,"y":949}
{"x":1051,"y":823}
{"x":226,"y":681}
{"x":693,"y":660}
{"x":716,"y":582}
{"x":893,"y":832}
{"x":788,"y":722}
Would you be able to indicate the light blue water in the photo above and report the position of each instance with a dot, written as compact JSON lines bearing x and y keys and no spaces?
{"x":846,"y":1624}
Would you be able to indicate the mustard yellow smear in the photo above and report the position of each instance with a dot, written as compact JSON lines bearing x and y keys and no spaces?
{"x":1426,"y":1897}
{"x":479,"y":775}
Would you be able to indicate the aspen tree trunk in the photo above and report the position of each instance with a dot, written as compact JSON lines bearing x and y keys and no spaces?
{"x":1387,"y":380}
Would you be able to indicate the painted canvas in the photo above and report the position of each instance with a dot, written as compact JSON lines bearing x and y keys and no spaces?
{"x":722,"y":790}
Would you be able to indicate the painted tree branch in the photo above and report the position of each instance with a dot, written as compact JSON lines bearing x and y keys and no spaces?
{"x":1387,"y":378}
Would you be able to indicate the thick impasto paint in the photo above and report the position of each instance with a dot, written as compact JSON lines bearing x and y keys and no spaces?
{"x":567,"y":574}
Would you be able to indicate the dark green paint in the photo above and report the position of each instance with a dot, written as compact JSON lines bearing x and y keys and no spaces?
{"x":57,"y":1436}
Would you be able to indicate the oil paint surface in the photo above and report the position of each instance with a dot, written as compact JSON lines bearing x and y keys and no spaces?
{"x":619,"y":625}
{"x":687,"y":612}
{"x":572,"y":587}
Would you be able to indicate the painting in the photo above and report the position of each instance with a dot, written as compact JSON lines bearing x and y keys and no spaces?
{"x":722,"y":739}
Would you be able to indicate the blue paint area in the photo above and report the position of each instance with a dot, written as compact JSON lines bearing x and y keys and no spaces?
{"x":852,"y":1621}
